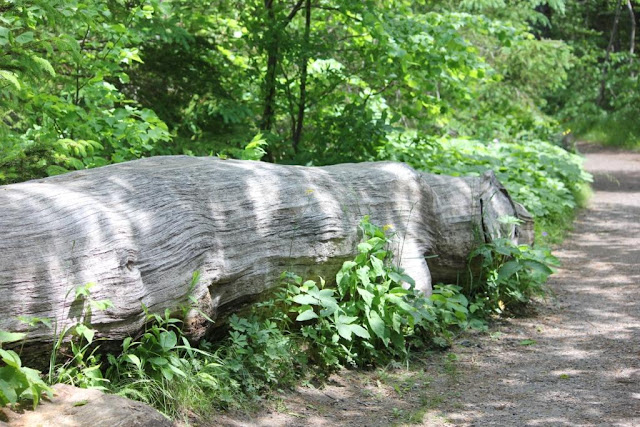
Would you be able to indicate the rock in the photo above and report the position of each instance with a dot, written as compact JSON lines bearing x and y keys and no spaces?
{"x":78,"y":407}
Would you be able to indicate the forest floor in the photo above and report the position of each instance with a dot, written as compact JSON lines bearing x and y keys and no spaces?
{"x":573,"y":361}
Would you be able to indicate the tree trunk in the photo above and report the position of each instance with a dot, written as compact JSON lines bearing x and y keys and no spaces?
{"x":270,"y":92}
{"x":632,"y":36}
{"x":297,"y":135}
{"x":270,"y":76}
{"x":605,"y":64}
{"x":139,"y":230}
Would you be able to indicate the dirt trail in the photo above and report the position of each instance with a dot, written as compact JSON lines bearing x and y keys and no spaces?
{"x":585,"y":366}
{"x":575,"y":363}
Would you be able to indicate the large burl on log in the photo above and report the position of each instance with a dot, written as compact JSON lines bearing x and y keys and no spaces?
{"x":139,"y":230}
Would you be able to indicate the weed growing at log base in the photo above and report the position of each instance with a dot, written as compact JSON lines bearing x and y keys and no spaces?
{"x":17,"y":382}
{"x":511,"y":275}
{"x":374,"y":313}
{"x":81,"y":365}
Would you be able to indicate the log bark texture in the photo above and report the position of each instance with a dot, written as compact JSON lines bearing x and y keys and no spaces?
{"x":140,"y":229}
{"x":471,"y":211}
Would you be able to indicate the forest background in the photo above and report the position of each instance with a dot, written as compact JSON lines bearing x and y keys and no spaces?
{"x":449,"y":87}
{"x":88,"y":83}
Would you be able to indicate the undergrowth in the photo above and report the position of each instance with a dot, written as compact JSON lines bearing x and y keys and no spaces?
{"x":368,"y":315}
{"x":548,"y":180}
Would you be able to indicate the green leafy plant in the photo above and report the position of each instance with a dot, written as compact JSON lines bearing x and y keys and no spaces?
{"x":511,"y":275}
{"x":374,"y":311}
{"x":156,"y":353}
{"x":17,"y":382}
{"x":81,"y":365}
{"x":162,"y":368}
{"x":258,"y":354}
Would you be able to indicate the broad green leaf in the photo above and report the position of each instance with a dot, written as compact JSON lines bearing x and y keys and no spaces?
{"x":86,"y":332}
{"x":347,"y":265}
{"x":177,"y":370}
{"x":346,"y":319}
{"x":538,"y":267}
{"x":364,"y":247}
{"x":168,"y":340}
{"x":399,"y":278}
{"x":399,"y":292}
{"x":396,"y":322}
{"x":7,"y":393}
{"x":378,"y":266}
{"x":4,"y":35}
{"x":9,"y":337}
{"x":11,"y":77}
{"x":84,"y":290}
{"x":167,"y":372}
{"x":25,"y":37}
{"x":326,"y":293}
{"x":309,"y":284}
{"x":305,"y":299}
{"x":306,"y":315}
{"x":158,"y":361}
{"x":363,"y":275}
{"x":366,"y":296}
{"x":400,"y":302}
{"x":134,"y":359}
{"x":344,"y":330}
{"x":508,"y":269}
{"x":11,"y":358}
{"x":360,"y":331}
{"x":377,"y":325}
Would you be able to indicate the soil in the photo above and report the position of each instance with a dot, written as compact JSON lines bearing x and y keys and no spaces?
{"x":575,"y":361}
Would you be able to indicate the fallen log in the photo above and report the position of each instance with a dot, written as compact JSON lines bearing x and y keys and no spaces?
{"x":139,"y":230}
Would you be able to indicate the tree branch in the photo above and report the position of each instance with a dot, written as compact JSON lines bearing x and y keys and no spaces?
{"x":293,"y":12}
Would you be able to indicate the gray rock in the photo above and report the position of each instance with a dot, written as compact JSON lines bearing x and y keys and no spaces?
{"x":78,"y":407}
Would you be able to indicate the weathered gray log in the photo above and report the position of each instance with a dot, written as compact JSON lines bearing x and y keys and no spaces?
{"x":139,"y":230}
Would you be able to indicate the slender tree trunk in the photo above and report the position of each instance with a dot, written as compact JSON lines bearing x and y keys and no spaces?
{"x":270,"y":77}
{"x":297,"y":136}
{"x":632,"y":37}
{"x":269,"y":110}
{"x":605,"y":65}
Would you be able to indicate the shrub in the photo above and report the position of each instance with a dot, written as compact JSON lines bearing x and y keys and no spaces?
{"x":374,"y":312}
{"x":546,"y":179}
{"x":511,"y":275}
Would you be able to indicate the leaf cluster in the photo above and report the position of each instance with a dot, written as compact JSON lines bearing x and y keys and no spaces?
{"x":18,"y":382}
{"x":374,"y":312}
{"x":511,"y":276}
